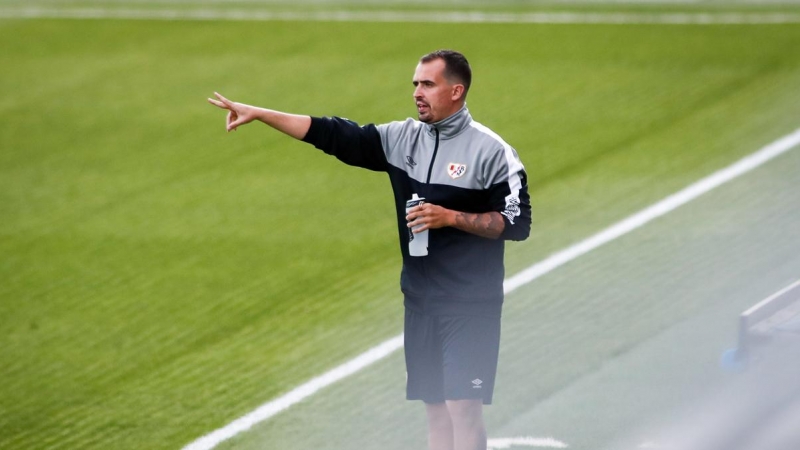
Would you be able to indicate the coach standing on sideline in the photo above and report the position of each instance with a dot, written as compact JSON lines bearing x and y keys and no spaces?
{"x":476,"y":197}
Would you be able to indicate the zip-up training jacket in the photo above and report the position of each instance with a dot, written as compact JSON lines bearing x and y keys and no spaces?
{"x":458,"y":164}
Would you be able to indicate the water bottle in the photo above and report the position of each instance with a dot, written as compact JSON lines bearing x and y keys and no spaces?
{"x":417,"y":242}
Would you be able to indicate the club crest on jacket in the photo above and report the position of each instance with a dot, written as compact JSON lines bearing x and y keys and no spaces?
{"x":455,"y":170}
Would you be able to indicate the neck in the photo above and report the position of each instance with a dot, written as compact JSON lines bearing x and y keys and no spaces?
{"x":452,"y":125}
{"x":456,"y":108}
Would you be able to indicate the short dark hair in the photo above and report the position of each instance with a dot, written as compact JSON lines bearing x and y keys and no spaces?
{"x":456,"y":66}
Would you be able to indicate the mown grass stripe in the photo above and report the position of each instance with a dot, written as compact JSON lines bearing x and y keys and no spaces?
{"x":722,"y":18}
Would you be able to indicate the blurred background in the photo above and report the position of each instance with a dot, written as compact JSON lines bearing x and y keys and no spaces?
{"x":160,"y":278}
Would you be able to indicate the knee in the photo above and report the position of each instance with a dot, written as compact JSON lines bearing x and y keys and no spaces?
{"x":466,"y":413}
{"x":439,"y":417}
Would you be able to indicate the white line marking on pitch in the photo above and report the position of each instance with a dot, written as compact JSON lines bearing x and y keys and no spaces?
{"x":686,"y":18}
{"x":501,"y":443}
{"x":644,"y":216}
{"x":511,"y":284}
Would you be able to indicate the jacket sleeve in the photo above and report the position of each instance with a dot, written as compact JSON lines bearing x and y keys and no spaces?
{"x":350,"y":143}
{"x":509,"y":195}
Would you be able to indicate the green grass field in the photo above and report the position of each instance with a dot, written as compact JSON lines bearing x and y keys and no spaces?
{"x":160,"y":278}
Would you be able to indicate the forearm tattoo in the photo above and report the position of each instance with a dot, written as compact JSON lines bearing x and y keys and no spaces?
{"x":488,"y":225}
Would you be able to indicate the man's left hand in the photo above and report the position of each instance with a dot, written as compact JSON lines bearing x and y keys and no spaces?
{"x":429,"y":216}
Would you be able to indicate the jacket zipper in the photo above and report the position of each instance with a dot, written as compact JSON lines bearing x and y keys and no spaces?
{"x":433,"y":158}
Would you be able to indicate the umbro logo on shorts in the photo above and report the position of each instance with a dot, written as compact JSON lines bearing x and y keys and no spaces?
{"x":476,"y":383}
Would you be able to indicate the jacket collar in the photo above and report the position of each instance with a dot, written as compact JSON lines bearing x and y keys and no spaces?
{"x":451,"y":126}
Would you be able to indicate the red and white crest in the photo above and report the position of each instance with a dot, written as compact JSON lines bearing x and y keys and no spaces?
{"x":455,"y":170}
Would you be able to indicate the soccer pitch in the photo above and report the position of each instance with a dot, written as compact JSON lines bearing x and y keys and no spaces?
{"x":161,"y":278}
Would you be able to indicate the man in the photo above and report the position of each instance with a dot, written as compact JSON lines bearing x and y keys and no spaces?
{"x":476,"y":196}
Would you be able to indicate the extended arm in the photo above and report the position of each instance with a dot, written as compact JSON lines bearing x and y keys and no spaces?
{"x":350,"y":143}
{"x":294,"y":125}
{"x":489,"y":225}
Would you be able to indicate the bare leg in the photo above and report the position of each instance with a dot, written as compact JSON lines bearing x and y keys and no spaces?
{"x":440,"y":427}
{"x":469,"y":432}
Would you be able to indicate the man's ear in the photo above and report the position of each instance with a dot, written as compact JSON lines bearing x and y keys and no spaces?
{"x":458,"y":92}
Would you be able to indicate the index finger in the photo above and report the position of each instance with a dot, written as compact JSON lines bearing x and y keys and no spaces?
{"x":223,"y":100}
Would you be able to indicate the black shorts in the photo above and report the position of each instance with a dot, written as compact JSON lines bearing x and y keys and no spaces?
{"x":451,"y":357}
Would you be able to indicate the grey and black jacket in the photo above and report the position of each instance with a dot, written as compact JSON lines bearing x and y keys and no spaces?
{"x":456,"y":163}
